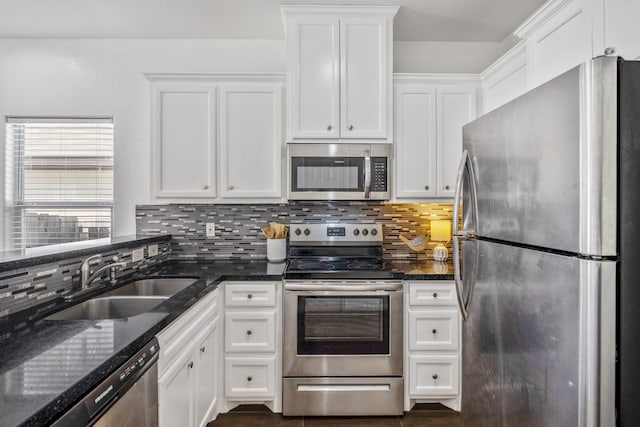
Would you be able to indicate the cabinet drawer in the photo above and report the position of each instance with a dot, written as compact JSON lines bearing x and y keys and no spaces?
{"x":433,"y":330}
{"x":434,"y":294}
{"x":249,"y":378}
{"x":249,"y":294}
{"x":433,"y":376}
{"x":249,"y":331}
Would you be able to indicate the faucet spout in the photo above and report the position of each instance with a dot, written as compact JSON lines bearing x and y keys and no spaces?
{"x":97,"y":273}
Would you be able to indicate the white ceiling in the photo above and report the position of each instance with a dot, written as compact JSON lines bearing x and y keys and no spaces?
{"x":417,"y":20}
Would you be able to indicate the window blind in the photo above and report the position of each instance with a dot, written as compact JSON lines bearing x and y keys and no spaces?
{"x":59,"y":180}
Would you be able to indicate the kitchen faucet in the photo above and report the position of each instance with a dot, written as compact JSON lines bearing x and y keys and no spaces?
{"x":86,"y":278}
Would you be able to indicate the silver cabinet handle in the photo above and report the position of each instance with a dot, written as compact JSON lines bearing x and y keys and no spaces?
{"x":249,"y":379}
{"x":351,"y":127}
{"x":434,"y":376}
{"x":367,"y":173}
{"x":202,"y":349}
{"x":435,"y":295}
{"x":446,"y":187}
{"x":248,"y":332}
{"x":329,"y":127}
{"x":190,"y":365}
{"x":434,"y":331}
{"x":231,"y":187}
{"x":610,"y":51}
{"x":426,"y":187}
{"x":205,"y":187}
{"x":249,"y":296}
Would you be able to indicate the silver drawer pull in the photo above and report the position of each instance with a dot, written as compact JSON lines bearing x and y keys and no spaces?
{"x":202,"y":349}
{"x":434,"y":376}
{"x":434,"y":331}
{"x":249,"y":296}
{"x":249,"y":379}
{"x":190,"y":365}
{"x":248,"y":332}
{"x":435,"y":295}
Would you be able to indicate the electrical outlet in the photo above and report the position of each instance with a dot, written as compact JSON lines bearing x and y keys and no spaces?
{"x":137,"y":255}
{"x":152,"y":250}
{"x":210,"y":230}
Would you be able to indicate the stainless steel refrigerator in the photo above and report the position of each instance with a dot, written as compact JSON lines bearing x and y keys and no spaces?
{"x":549,"y":274}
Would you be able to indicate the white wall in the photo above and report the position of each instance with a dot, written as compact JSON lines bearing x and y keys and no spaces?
{"x":40,"y":77}
{"x":445,"y":57}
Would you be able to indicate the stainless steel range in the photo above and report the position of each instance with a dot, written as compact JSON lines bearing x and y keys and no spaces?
{"x":342,"y":323}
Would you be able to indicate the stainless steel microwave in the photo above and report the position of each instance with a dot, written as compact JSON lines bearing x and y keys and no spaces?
{"x":338,"y":171}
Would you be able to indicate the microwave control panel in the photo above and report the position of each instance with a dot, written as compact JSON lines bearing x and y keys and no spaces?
{"x":379,"y":174}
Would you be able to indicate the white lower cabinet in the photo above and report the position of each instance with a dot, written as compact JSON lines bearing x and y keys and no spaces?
{"x":252,"y":342}
{"x":432,"y":344}
{"x":188,"y":379}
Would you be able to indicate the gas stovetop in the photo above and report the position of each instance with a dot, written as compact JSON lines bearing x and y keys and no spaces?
{"x":344,"y":251}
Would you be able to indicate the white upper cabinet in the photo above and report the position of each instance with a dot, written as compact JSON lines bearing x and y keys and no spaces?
{"x":315,"y":43}
{"x":456,"y":106}
{"x":339,"y":72}
{"x":216,"y":138}
{"x":363,"y":77}
{"x":251,"y":141}
{"x":429,"y":121}
{"x":184,"y":134}
{"x":415,"y":140}
{"x":617,"y":29}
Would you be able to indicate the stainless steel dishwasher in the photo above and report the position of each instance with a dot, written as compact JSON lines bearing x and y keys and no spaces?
{"x":127,"y":398}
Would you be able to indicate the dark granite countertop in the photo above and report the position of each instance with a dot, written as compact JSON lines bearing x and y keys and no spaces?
{"x":48,"y":365}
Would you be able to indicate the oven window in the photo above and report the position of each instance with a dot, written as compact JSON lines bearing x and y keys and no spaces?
{"x":343,"y":324}
{"x":327,"y":174}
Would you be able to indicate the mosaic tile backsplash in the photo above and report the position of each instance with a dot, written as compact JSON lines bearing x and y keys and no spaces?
{"x":238,"y":227}
{"x":27,"y":287}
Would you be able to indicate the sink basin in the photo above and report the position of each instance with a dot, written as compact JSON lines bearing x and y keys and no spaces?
{"x":112,"y":307}
{"x":163,"y":286}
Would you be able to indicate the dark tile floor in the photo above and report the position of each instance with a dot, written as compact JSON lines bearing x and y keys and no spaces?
{"x":424,"y":415}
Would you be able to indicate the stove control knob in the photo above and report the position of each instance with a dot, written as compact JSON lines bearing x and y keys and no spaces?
{"x":307,"y":231}
{"x":356,"y":231}
{"x":298,"y":232}
{"x":365,"y":231}
{"x":374,"y":232}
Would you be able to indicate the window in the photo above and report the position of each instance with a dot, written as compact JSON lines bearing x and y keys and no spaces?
{"x":59,"y":180}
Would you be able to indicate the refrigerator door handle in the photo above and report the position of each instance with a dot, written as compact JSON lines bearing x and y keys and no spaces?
{"x":457,"y":277}
{"x":465,"y":165}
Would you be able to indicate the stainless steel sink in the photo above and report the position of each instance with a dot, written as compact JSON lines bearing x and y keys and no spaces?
{"x":163,"y":286}
{"x":112,"y":307}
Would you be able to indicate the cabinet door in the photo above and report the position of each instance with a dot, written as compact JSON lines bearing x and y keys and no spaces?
{"x":415,"y":140}
{"x":183,"y":141}
{"x":206,"y":381}
{"x":313,"y":73}
{"x":251,"y":141}
{"x":175,"y":393}
{"x":364,"y":77}
{"x":456,"y":107}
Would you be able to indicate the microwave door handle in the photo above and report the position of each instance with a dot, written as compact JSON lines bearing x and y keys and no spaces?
{"x":367,"y":174}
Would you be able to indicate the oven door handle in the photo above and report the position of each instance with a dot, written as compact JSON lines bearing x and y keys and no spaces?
{"x":338,"y":287}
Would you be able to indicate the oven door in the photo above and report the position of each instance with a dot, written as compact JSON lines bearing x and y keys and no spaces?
{"x":343,"y":331}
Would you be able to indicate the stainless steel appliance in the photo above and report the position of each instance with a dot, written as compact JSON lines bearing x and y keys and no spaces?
{"x":338,"y":171}
{"x":127,"y":398}
{"x":548,"y":278}
{"x":342,"y":323}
